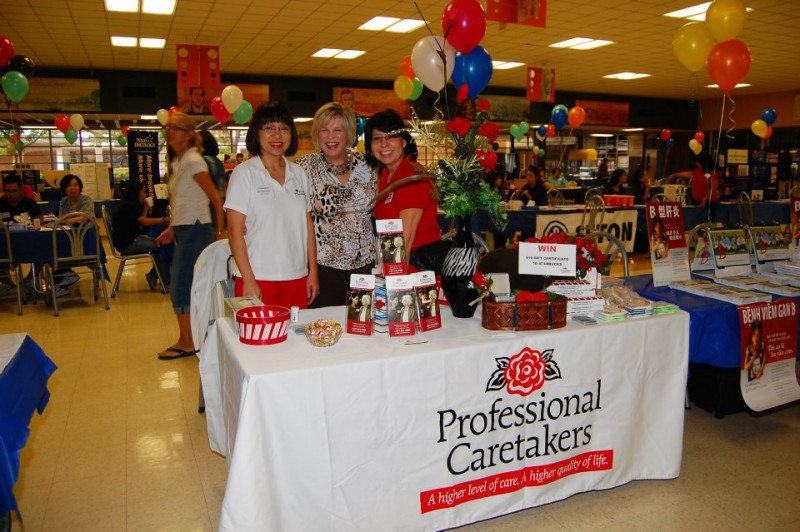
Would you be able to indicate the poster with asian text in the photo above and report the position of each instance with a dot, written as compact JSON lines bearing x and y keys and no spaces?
{"x":794,"y":207}
{"x":768,"y":351}
{"x":667,"y":242}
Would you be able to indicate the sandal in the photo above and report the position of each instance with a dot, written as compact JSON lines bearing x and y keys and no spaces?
{"x":173,"y":353}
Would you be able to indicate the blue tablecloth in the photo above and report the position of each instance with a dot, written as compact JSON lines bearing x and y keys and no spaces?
{"x":36,"y":247}
{"x":714,"y":331}
{"x":23,"y":389}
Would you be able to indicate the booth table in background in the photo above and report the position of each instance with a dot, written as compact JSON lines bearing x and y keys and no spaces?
{"x":24,"y":371}
{"x":764,"y":213}
{"x":714,"y":345}
{"x":51,"y":207}
{"x":374,"y":434}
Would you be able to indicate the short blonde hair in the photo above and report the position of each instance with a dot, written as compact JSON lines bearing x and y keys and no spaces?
{"x":328,"y":112}
{"x":184,"y":121}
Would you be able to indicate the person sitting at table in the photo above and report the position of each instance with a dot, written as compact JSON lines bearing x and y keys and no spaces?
{"x":616,"y":184}
{"x":640,"y":186}
{"x":72,"y":197}
{"x":72,"y":200}
{"x":534,"y":190}
{"x":557,"y":179}
{"x":602,"y":170}
{"x":130,"y":234}
{"x":14,"y":202}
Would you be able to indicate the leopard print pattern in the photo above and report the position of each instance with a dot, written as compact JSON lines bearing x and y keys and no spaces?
{"x":342,"y":213}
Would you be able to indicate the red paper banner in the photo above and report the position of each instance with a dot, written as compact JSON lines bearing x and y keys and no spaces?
{"x":541,"y":86}
{"x":186,"y":57}
{"x":209,"y":65}
{"x":525,"y":12}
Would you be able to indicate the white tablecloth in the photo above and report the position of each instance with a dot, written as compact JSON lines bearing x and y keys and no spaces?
{"x":373,"y":434}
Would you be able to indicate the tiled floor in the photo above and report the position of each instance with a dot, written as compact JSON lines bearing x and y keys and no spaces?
{"x":122,"y":447}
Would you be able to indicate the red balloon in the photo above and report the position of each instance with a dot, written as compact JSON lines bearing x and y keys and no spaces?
{"x":464,"y":24}
{"x":62,"y":123}
{"x":218,"y":110}
{"x":14,"y":138}
{"x":768,"y":134}
{"x":551,"y":130}
{"x":174,"y":109}
{"x":406,"y":68}
{"x":666,"y":134}
{"x":124,"y":130}
{"x":700,"y":137}
{"x":728,"y":63}
{"x":6,"y":50}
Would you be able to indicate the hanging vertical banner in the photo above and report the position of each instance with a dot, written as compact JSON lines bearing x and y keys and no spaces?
{"x":541,"y":86}
{"x":187,"y":57}
{"x":769,"y":346}
{"x":143,"y":158}
{"x":525,"y":12}
{"x":209,"y":66}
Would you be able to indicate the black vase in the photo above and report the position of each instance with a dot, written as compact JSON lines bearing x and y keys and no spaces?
{"x":459,"y":266}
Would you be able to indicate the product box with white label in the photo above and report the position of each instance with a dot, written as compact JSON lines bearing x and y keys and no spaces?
{"x":392,"y":253}
{"x":359,"y":304}
{"x":427,"y":296}
{"x":402,"y":311}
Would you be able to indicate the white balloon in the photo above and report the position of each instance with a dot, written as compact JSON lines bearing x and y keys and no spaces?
{"x":427,"y":63}
{"x":76,"y":121}
{"x":163,"y":116}
{"x":232,"y":98}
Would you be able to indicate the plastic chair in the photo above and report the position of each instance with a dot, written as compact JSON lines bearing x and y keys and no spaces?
{"x":594,"y":210}
{"x":745,"y":207}
{"x":126,"y":258}
{"x":613,"y":247}
{"x":7,"y":263}
{"x":83,"y":238}
{"x":555,"y":198}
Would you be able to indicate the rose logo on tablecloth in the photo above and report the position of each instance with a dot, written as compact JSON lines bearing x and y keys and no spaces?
{"x":524,"y":373}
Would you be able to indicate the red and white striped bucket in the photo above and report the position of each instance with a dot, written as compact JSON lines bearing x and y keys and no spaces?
{"x":264,"y":325}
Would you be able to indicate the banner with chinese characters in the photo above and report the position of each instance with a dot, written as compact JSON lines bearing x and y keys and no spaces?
{"x":541,"y":85}
{"x":525,"y":12}
{"x":769,"y":348}
{"x":668,"y":252}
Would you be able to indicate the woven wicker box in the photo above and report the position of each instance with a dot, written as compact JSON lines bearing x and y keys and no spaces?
{"x":525,"y":316}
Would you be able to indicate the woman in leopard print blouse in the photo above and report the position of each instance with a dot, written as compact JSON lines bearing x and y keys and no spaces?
{"x":342,"y":187}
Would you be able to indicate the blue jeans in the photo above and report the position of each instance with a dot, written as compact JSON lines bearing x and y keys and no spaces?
{"x":147,"y":244}
{"x":190,"y":241}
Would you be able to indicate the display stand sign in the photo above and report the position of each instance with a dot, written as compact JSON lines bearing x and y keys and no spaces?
{"x":794,"y":208}
{"x":702,"y":254}
{"x":668,"y":252}
{"x":769,"y":246}
{"x":540,"y":258}
{"x":143,"y":158}
{"x":730,"y":252}
{"x":769,"y":341}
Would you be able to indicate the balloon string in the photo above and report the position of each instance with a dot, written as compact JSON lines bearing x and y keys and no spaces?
{"x":442,"y":55}
{"x":563,"y":148}
{"x":694,"y":83}
{"x":730,"y":117}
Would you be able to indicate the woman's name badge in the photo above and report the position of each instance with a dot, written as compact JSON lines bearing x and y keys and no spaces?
{"x":264,"y":191}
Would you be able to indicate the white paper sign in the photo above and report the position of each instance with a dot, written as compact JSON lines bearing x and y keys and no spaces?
{"x":547,"y":259}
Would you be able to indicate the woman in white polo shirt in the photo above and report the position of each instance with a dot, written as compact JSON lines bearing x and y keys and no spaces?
{"x":268,"y":206}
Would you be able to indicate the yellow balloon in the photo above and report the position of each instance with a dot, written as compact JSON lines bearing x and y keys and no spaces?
{"x":759,"y":127}
{"x":403,"y":87}
{"x":695,"y":146}
{"x":725,"y":19}
{"x":692,"y":44}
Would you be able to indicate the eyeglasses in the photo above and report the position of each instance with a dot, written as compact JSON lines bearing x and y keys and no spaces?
{"x":283,"y":129}
{"x":175,"y":128}
{"x":378,"y":139}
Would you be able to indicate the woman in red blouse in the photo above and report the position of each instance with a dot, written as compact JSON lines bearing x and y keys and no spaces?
{"x":391,"y":149}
